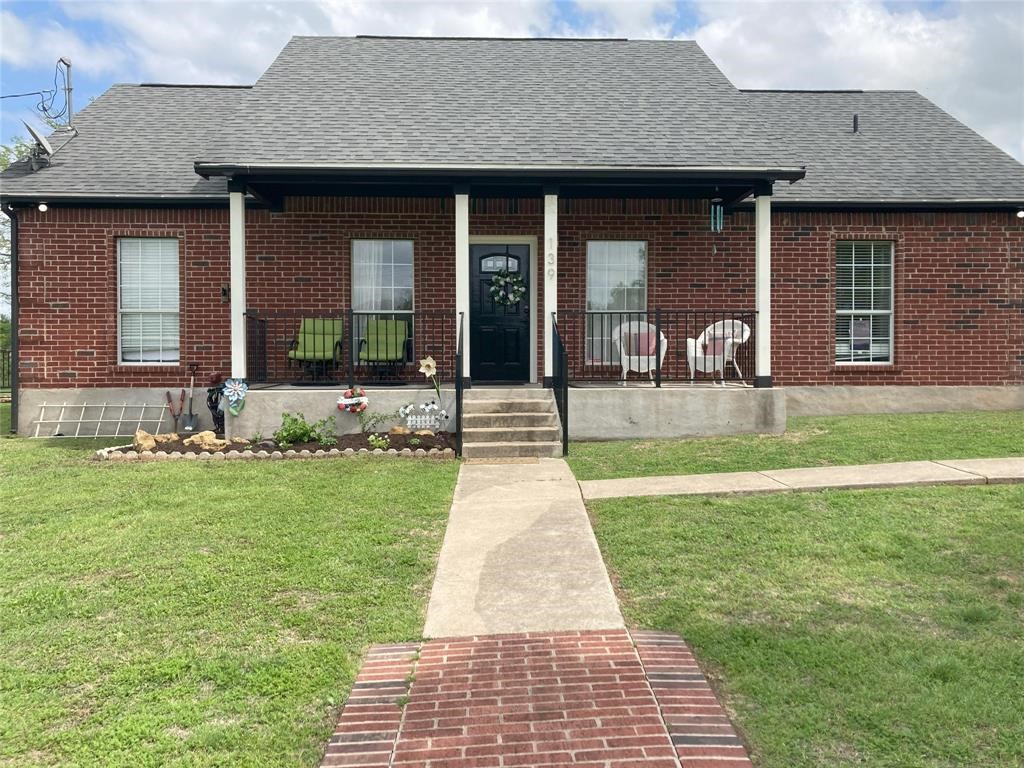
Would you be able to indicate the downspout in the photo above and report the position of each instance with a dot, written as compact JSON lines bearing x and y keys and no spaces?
{"x":9,"y":210}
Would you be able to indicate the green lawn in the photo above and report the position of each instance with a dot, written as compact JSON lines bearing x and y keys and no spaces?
{"x":200,"y":614}
{"x":811,"y":442}
{"x":867,"y":628}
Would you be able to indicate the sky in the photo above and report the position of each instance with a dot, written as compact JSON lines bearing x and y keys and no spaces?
{"x":968,"y":57}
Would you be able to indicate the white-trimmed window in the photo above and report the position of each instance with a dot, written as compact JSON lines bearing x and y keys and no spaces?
{"x":147,"y":289}
{"x":382,"y":299}
{"x":864,"y":299}
{"x":616,"y":293}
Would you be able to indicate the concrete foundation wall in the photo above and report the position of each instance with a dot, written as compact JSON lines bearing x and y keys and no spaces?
{"x":615,"y":413}
{"x":848,"y":400}
{"x":31,"y":400}
{"x":263,"y":407}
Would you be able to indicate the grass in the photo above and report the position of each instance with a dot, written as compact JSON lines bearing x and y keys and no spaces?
{"x":811,"y":442}
{"x":196,"y":615}
{"x":879,"y":628}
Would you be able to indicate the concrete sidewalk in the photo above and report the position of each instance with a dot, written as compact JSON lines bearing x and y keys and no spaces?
{"x":952,"y":472}
{"x":519,"y":556}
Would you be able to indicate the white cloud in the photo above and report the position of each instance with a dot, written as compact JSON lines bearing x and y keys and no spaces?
{"x":968,"y":59}
{"x":636,"y":19}
{"x":42,"y":43}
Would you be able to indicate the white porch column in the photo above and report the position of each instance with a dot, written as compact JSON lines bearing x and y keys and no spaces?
{"x":763,"y":288}
{"x":549,"y":268}
{"x":237,"y":233}
{"x":462,"y":272}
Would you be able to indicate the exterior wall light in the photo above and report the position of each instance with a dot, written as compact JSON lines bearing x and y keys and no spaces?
{"x":43,"y":207}
{"x":1020,"y":213}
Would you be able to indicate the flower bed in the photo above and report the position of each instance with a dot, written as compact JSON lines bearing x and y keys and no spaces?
{"x":441,"y":445}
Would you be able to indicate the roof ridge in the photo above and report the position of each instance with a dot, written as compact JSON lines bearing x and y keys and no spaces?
{"x":184,"y":85}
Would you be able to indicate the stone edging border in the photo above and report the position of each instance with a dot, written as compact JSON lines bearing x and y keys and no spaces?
{"x":114,"y":454}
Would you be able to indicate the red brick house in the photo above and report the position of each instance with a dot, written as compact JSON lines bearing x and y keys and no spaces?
{"x":368,"y":191}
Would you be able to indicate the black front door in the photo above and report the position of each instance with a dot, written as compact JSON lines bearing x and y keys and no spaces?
{"x":499,"y":333}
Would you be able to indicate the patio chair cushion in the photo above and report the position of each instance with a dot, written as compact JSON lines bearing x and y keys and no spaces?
{"x":642,"y":343}
{"x":384,"y":341}
{"x":317,"y":339}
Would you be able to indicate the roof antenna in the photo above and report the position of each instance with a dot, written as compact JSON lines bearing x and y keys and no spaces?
{"x":856,"y":122}
{"x":67,"y":88}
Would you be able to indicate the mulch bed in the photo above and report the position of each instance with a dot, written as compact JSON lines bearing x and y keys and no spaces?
{"x":441,"y":441}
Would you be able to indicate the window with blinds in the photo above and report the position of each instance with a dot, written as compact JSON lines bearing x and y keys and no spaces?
{"x":147,"y":289}
{"x":864,"y":289}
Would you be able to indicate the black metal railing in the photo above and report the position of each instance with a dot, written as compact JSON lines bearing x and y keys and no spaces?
{"x":346,"y":346}
{"x":5,"y":369}
{"x":560,"y":381}
{"x":660,"y":345}
{"x":460,"y":385}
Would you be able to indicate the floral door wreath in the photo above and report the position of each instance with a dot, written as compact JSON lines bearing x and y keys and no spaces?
{"x":353,"y":400}
{"x":507,"y":288}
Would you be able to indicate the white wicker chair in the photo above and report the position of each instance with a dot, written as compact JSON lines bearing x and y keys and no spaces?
{"x":715,"y":348}
{"x":634,"y":342}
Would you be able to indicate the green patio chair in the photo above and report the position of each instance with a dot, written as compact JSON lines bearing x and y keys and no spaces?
{"x":317,"y":345}
{"x":384,"y":342}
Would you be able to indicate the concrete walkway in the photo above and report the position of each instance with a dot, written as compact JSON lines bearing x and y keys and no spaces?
{"x":906,"y":473}
{"x":519,"y":556}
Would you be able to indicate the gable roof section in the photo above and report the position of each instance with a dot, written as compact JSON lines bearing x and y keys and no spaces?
{"x":906,"y":149}
{"x":401,"y":103}
{"x":449,"y":103}
{"x":133,"y":142}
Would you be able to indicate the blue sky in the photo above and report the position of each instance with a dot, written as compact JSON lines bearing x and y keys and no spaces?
{"x":966,"y":56}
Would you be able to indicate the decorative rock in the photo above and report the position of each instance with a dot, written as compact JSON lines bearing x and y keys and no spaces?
{"x":364,"y":451}
{"x":433,"y":452}
{"x":420,"y":452}
{"x":392,"y":452}
{"x":217,"y":456}
{"x":115,"y":456}
{"x":277,"y":455}
{"x":100,"y":455}
{"x":400,"y":430}
{"x":378,"y":452}
{"x":290,"y":452}
{"x":320,"y":453}
{"x":205,"y":455}
{"x":169,"y":437}
{"x":143,"y":441}
{"x":407,"y":451}
{"x":175,"y":454}
{"x":238,"y":441}
{"x":129,"y":455}
{"x":425,"y":432}
{"x":449,"y":452}
{"x":161,"y":455}
{"x":334,"y":452}
{"x":267,"y":445}
{"x":262,"y":454}
{"x":351,"y":451}
{"x":304,"y":453}
{"x":189,"y":456}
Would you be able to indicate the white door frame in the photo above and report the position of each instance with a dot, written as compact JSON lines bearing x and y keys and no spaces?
{"x":531,"y":241}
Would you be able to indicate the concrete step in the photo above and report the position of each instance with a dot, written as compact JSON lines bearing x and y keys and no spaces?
{"x":521,"y":419}
{"x":510,"y":450}
{"x":507,"y":393}
{"x":532,"y":405}
{"x":510,"y":435}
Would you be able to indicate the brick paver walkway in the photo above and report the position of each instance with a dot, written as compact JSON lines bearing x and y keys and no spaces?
{"x":589,"y":698}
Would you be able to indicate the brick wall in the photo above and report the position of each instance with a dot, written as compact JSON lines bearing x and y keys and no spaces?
{"x":959,"y":300}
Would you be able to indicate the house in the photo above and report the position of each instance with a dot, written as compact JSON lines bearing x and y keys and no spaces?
{"x":360,"y":205}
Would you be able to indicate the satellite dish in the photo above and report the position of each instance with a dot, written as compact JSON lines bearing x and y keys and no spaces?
{"x":40,"y":140}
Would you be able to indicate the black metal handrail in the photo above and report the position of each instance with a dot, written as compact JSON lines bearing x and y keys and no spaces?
{"x":346,"y":345}
{"x":560,"y":381}
{"x":660,"y":345}
{"x":459,"y":386}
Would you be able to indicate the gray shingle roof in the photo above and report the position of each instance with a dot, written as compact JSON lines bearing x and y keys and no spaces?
{"x":134,"y":141}
{"x":580,"y":103}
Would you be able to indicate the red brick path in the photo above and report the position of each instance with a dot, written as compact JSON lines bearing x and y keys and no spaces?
{"x":569,"y":698}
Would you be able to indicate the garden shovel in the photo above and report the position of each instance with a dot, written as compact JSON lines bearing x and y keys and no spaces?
{"x":191,"y":419}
